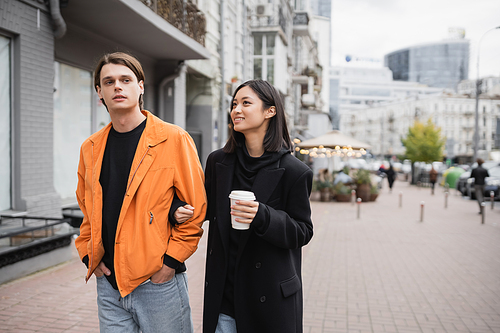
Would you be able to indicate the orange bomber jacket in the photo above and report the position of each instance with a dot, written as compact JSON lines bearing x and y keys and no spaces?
{"x":165,"y":161}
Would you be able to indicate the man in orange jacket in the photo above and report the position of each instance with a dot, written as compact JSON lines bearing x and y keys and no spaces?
{"x":127,"y":177}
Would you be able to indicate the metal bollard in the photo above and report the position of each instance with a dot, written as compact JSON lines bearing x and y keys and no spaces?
{"x":400,"y":199}
{"x":446,"y":187}
{"x":353,"y":197}
{"x":419,"y":184}
{"x":492,"y":199}
{"x":359,"y":206}
{"x":422,"y":211}
{"x":445,"y":199}
{"x":482,"y":212}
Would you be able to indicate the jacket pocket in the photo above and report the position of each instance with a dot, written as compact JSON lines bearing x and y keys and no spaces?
{"x":290,"y":286}
{"x":154,"y":221}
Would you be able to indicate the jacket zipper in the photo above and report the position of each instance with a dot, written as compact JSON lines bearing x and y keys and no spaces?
{"x":151,"y":219}
{"x":131,"y":179}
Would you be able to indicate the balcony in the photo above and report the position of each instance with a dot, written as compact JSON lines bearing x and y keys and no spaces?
{"x":184,"y":15}
{"x":160,"y":29}
{"x":301,"y":24}
{"x":269,"y":20}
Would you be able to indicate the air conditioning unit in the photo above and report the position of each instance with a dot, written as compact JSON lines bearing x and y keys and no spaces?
{"x":308,"y":100}
{"x":263,"y":10}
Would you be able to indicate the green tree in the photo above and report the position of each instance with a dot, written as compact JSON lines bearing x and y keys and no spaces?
{"x":424,"y":142}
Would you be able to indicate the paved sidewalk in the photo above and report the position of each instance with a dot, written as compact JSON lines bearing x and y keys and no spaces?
{"x":388,"y":272}
{"x":384,"y":272}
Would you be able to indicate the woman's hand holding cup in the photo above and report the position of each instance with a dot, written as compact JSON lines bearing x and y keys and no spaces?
{"x":243,"y":209}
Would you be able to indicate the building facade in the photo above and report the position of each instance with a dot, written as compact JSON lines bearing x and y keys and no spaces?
{"x":489,"y":85}
{"x":385,"y":124}
{"x":52,"y":106}
{"x":356,"y":88}
{"x":440,"y":64}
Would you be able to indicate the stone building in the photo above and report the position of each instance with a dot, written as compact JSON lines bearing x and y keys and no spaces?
{"x":383,"y":125}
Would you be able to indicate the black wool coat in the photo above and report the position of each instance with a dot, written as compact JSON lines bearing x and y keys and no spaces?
{"x":268,"y":282}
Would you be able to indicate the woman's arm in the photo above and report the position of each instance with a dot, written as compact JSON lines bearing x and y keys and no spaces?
{"x":180,"y":211}
{"x":290,"y":228}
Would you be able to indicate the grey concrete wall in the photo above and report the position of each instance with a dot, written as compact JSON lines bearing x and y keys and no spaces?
{"x":199,"y":113}
{"x":29,"y":26}
{"x":199,"y":121}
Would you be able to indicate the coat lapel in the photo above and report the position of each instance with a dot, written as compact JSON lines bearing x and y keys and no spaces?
{"x":265,"y":182}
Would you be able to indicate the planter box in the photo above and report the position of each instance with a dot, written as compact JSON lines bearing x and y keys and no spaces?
{"x":363,"y":192}
{"x":343,"y":197}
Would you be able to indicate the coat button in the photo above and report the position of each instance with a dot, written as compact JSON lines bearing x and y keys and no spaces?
{"x":206,"y":284}
{"x":263,"y":299}
{"x":210,"y":252}
{"x":257,"y":265}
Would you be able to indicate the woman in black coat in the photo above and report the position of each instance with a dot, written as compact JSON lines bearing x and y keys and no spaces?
{"x":253,"y":277}
{"x":391,"y":177}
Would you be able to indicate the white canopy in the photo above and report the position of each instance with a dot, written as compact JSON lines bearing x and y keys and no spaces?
{"x":333,"y":139}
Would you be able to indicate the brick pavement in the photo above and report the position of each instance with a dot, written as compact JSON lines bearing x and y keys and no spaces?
{"x":385,"y":272}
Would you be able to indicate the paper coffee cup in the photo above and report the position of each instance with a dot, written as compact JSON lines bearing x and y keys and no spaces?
{"x":240,"y":195}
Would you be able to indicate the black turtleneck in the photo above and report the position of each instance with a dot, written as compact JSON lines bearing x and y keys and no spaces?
{"x":245,"y":172}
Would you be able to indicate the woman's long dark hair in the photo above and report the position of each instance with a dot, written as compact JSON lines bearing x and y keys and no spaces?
{"x":277,"y":136}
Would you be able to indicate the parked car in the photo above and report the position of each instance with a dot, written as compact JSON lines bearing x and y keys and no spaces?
{"x":493,"y":183}
{"x":470,"y":182}
{"x":462,"y":182}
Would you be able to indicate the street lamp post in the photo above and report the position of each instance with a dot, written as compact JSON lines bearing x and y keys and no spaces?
{"x":478,"y":92}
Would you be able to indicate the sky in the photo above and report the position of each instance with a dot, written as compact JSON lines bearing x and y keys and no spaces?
{"x":369,"y":29}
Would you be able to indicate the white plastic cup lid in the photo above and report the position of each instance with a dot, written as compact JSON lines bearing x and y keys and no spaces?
{"x":242,"y":195}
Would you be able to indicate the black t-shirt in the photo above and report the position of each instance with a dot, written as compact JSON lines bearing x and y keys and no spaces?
{"x":116,"y":164}
{"x":479,"y":174}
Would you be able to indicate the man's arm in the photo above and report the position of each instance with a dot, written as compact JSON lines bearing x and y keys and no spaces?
{"x":82,"y":241}
{"x":188,"y":181}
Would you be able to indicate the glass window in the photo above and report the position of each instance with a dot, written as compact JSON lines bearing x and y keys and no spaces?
{"x":5,"y":142}
{"x":270,"y":71}
{"x":72,"y":124}
{"x":257,"y":68}
{"x":270,"y":44}
{"x":257,"y":45}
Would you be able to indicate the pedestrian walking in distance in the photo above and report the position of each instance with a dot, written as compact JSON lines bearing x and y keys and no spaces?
{"x":479,"y":174}
{"x":126,"y":178}
{"x":253,"y":279}
{"x":391,"y":176}
{"x":433,"y":174}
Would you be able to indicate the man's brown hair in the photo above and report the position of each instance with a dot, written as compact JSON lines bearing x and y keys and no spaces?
{"x":479,"y":161}
{"x":120,"y":58}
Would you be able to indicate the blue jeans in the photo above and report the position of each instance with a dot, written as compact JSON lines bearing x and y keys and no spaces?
{"x":150,"y":308}
{"x":226,"y":324}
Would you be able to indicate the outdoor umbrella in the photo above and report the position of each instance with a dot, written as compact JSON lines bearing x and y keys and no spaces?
{"x":333,"y":139}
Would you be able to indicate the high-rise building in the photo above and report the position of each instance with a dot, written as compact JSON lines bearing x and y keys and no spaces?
{"x":322,"y":8}
{"x":439,"y":64}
